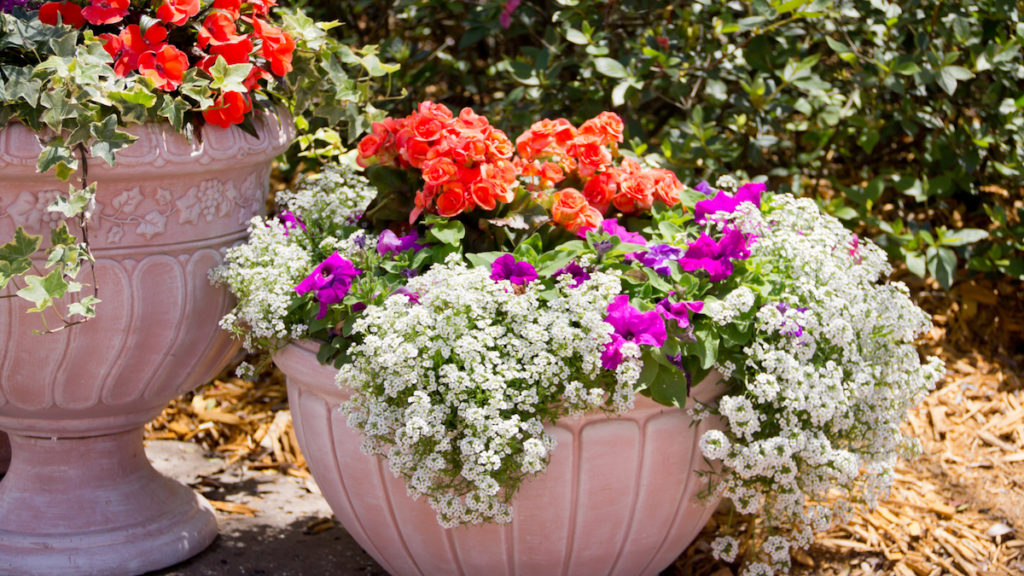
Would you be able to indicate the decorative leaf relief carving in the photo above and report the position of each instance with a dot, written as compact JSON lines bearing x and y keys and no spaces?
{"x":209,"y":200}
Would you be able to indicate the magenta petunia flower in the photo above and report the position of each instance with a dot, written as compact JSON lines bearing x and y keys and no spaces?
{"x":716,"y":257}
{"x":507,"y":268}
{"x":723,"y":202}
{"x":389,"y":243}
{"x":658,"y":257}
{"x":578,"y":273}
{"x":631,"y":325}
{"x":679,"y":311}
{"x":290,"y":222}
{"x":414,"y":297}
{"x":506,"y":13}
{"x":330,"y":282}
{"x":612,"y":227}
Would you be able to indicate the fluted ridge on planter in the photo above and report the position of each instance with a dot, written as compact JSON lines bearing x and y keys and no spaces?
{"x":616,"y":499}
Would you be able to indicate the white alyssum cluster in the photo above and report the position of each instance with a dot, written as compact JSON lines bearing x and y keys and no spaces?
{"x":262,"y":274}
{"x":454,"y":391}
{"x":336,"y":194}
{"x":829,"y":376}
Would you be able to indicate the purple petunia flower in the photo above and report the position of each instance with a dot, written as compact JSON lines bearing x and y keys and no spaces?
{"x":330,"y":282}
{"x":389,"y":243}
{"x":631,"y":325}
{"x":705,"y":188}
{"x":790,"y":328}
{"x":723,"y":202}
{"x":414,"y":297}
{"x":578,"y":273}
{"x":716,"y":257}
{"x":507,"y":268}
{"x":677,"y":361}
{"x":8,"y":6}
{"x":290,"y":222}
{"x":612,"y":227}
{"x":658,"y":257}
{"x":679,"y":311}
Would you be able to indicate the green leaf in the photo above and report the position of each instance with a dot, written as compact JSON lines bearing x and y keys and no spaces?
{"x":41,"y":291}
{"x":942,"y":265}
{"x":610,"y":68}
{"x":906,"y":68}
{"x":619,"y":93}
{"x":576,"y":37}
{"x":108,"y":139}
{"x":964,"y":237}
{"x":836,"y":45}
{"x":448,"y":232}
{"x":229,"y":77}
{"x":134,"y":105}
{"x":75,"y":203}
{"x":949,"y":75}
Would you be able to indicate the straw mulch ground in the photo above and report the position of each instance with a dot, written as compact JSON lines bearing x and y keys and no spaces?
{"x":958,"y":509}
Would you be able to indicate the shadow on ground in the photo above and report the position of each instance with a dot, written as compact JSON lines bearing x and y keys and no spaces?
{"x":287,"y":551}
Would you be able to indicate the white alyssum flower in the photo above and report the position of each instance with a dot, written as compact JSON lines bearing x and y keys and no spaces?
{"x":828,"y":377}
{"x":336,"y":194}
{"x":262,"y":274}
{"x":454,"y":391}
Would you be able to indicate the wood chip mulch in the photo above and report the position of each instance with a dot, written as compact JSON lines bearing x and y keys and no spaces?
{"x":958,"y":509}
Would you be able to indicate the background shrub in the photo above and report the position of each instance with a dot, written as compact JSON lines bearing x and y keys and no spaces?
{"x":904,"y":119}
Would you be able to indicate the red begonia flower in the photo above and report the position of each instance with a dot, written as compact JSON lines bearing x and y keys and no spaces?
{"x":166,"y":67}
{"x":70,"y":14}
{"x":177,"y":12}
{"x":228,"y":109}
{"x":105,"y":11}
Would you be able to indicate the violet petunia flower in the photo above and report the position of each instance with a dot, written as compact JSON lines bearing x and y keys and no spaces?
{"x":716,"y":257}
{"x":612,"y":227}
{"x":330,"y":282}
{"x":679,"y":311}
{"x":658,"y":257}
{"x":723,"y":202}
{"x":705,"y":188}
{"x":631,"y":325}
{"x":507,"y":268}
{"x":579,"y":274}
{"x":389,"y":243}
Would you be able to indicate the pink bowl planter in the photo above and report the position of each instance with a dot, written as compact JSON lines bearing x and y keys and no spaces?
{"x":616,"y":499}
{"x":80,"y":497}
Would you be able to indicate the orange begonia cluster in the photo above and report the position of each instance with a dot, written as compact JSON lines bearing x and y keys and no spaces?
{"x":465,"y":162}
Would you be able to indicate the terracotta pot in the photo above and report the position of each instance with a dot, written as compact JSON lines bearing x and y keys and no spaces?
{"x":616,"y":499}
{"x":5,"y":452}
{"x":80,"y":497}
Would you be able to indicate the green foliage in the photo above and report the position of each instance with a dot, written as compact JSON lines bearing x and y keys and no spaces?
{"x":888,"y":112}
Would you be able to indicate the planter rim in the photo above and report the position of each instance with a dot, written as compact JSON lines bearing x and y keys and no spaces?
{"x":159,"y":149}
{"x":705,"y":391}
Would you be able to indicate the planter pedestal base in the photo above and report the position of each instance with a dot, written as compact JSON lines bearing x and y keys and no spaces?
{"x":95,"y":506}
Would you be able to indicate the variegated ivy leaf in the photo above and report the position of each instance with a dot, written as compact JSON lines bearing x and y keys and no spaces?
{"x":86,"y":307}
{"x":21,"y":84}
{"x":174,"y":110}
{"x":77,"y":200}
{"x":229,"y":77}
{"x":135,"y":104}
{"x":109,"y":139}
{"x":42,"y":290}
{"x":56,"y":156}
{"x":15,"y":255}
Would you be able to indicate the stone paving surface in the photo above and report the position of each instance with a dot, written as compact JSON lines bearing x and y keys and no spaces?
{"x":278,"y":540}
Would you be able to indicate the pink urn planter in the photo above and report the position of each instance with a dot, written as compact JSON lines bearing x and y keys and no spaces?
{"x":80,"y":497}
{"x":616,"y":498}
